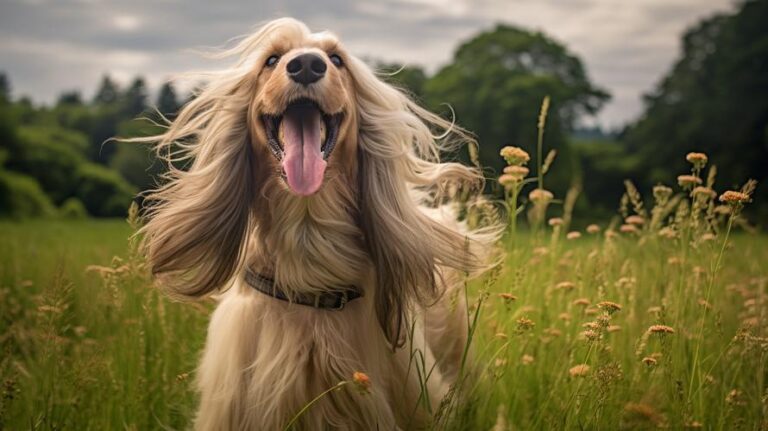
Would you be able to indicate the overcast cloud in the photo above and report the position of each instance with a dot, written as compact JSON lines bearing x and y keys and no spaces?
{"x":48,"y":46}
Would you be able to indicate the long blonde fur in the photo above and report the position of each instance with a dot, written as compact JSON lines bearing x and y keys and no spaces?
{"x":375,"y":224}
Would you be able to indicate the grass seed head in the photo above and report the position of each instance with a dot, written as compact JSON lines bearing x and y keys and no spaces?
{"x":662,"y":193}
{"x":579,"y":370}
{"x":609,"y":307}
{"x":661,"y":329}
{"x":507,"y":297}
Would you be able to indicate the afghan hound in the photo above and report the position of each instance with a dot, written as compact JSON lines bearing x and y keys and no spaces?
{"x":314,"y":207}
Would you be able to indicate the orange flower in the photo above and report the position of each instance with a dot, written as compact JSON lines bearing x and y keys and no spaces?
{"x":362,"y":381}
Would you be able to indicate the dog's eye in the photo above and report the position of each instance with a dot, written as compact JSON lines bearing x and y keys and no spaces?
{"x":272,"y":60}
{"x":336,"y":60}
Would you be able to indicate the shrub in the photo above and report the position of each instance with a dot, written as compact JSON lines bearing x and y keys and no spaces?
{"x":21,"y":196}
{"x":104,"y":192}
{"x":50,"y":155}
{"x":73,"y":208}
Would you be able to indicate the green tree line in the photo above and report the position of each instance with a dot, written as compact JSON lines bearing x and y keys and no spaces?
{"x":58,"y":160}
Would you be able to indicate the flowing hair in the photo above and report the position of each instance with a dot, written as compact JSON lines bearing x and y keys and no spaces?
{"x":199,"y":222}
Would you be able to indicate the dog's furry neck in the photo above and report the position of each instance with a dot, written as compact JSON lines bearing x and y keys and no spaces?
{"x":310,"y":244}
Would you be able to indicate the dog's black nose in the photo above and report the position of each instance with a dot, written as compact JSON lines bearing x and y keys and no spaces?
{"x":306,"y":68}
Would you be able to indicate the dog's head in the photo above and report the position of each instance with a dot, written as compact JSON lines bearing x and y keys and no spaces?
{"x":303,"y":108}
{"x":297,"y":118}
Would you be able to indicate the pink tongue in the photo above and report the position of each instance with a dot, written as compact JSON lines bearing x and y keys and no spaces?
{"x":303,"y":163}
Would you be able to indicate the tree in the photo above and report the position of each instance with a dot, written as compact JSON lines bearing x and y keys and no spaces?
{"x":497,"y":81}
{"x":135,"y":98}
{"x":5,"y":88}
{"x":713,"y":100}
{"x":409,"y":78}
{"x":70,"y":98}
{"x":107,"y":93}
{"x":167,"y":102}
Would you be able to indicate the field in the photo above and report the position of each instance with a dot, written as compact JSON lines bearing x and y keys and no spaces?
{"x":564,"y":336}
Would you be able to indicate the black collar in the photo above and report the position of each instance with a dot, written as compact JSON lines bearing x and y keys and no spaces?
{"x":333,"y":300}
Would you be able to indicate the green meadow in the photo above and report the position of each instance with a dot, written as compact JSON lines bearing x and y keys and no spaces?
{"x":630,"y":330}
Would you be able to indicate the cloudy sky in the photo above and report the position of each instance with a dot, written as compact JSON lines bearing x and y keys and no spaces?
{"x":47,"y":46}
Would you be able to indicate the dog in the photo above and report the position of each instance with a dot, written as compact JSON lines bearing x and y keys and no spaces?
{"x":308,"y":197}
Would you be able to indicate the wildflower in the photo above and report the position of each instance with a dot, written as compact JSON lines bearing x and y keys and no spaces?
{"x":514,"y":155}
{"x":524,"y":324}
{"x":573,"y":235}
{"x":517,"y":172}
{"x":582,"y":301}
{"x":566,"y":317}
{"x":555,"y":221}
{"x":609,"y":307}
{"x":591,"y":325}
{"x":698,"y":160}
{"x":654,"y":310}
{"x":554,"y":332}
{"x":661,"y":193}
{"x":540,"y":196}
{"x":591,"y":335}
{"x":661,"y":329}
{"x":593,"y":229}
{"x":500,"y":362}
{"x":508,"y":181}
{"x":649,"y":361}
{"x":526,"y":359}
{"x":735,"y":397}
{"x":507,"y":296}
{"x":610,"y":234}
{"x":732,"y":197}
{"x":636,"y":220}
{"x":667,"y":232}
{"x":704,"y":192}
{"x":181,"y":377}
{"x":362,"y":381}
{"x":674,"y":260}
{"x":579,"y":370}
{"x":708,"y":237}
{"x":613,"y":328}
{"x":687,"y":181}
{"x":565,"y":285}
{"x":625,"y":282}
{"x":628,"y":228}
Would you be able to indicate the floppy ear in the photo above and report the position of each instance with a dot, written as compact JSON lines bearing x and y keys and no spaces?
{"x":398,"y":164}
{"x":198,"y":221}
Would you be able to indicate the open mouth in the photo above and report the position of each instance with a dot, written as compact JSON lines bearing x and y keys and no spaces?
{"x":301,"y":139}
